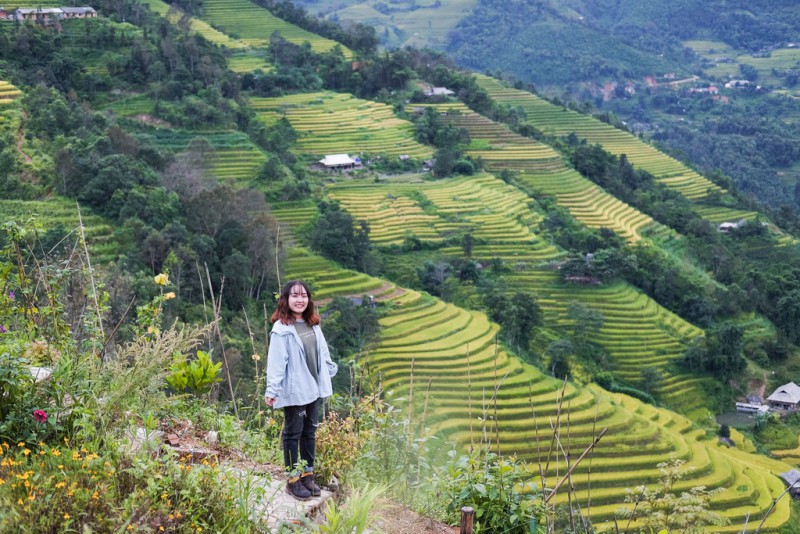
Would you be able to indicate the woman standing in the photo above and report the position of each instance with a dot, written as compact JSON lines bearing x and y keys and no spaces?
{"x":299,"y":371}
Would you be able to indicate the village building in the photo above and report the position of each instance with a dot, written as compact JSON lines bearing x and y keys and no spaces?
{"x":47,"y":14}
{"x":785,"y":399}
{"x":733,"y":84}
{"x":726,"y":227}
{"x":340,"y":161}
{"x":792,"y":480}
{"x":438,"y":91}
{"x":79,"y":12}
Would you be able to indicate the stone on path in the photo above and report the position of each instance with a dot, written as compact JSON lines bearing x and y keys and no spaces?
{"x":277,"y":507}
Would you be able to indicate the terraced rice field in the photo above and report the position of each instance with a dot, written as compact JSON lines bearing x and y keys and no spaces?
{"x":718,"y":214}
{"x":482,"y":205}
{"x":174,"y":14}
{"x":544,"y":170}
{"x":253,"y":25}
{"x":425,"y":25}
{"x":637,"y":332}
{"x":445,"y":358}
{"x":60,"y":212}
{"x":559,"y":121}
{"x":8,"y":94}
{"x":336,"y":123}
{"x":232,"y":156}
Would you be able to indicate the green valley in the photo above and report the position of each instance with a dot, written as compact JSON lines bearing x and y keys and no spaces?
{"x":543,"y":283}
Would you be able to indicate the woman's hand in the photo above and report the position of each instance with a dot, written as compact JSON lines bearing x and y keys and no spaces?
{"x":270,"y":401}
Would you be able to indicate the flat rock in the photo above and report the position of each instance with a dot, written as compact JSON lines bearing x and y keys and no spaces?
{"x":277,"y":507}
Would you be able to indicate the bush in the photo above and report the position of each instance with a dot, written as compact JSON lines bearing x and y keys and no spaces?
{"x":500,"y":491}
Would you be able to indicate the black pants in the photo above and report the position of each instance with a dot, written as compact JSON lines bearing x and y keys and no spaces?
{"x":300,"y":428}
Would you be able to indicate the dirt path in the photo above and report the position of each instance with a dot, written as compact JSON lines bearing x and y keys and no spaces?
{"x":21,"y":138}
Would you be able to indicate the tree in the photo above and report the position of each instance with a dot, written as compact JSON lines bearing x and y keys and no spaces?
{"x":467,"y":244}
{"x":560,"y":352}
{"x":651,"y":379}
{"x":788,"y":315}
{"x":586,"y":321}
{"x":336,"y":237}
{"x":725,"y":346}
{"x":522,"y":315}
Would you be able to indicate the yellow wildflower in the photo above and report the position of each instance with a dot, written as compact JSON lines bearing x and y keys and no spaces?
{"x":161,"y":279}
{"x":161,"y":529}
{"x":61,"y":484}
{"x":255,"y":357}
{"x":130,"y":527}
{"x":26,"y":452}
{"x":19,"y":501}
{"x":95,"y":495}
{"x":66,"y":516}
{"x":169,"y":296}
{"x":55,"y":452}
{"x":21,"y":444}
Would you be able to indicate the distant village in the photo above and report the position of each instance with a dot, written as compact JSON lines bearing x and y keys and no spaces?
{"x":46,"y":14}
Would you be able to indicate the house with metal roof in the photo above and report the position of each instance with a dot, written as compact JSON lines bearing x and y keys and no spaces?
{"x":340,"y":161}
{"x":792,"y":480}
{"x":785,"y":399}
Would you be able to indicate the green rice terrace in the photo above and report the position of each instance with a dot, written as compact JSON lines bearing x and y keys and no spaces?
{"x":451,"y":368}
{"x":245,"y":57}
{"x":559,"y":121}
{"x":543,"y":169}
{"x":8,"y":94}
{"x":253,"y":25}
{"x":478,"y":205}
{"x":484,"y":206}
{"x":334,"y":123}
{"x":61,"y":213}
{"x":174,"y":14}
{"x":228,"y":155}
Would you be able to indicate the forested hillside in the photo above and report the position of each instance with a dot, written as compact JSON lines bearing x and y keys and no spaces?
{"x":500,"y":275}
{"x":714,"y":83}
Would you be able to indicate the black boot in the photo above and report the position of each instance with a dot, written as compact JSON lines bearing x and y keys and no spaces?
{"x":296,"y":489}
{"x":310,"y":483}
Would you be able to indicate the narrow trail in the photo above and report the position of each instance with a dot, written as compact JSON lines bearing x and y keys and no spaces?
{"x":21,"y":138}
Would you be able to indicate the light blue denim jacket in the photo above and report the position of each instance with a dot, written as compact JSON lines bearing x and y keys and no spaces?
{"x":288,"y":378}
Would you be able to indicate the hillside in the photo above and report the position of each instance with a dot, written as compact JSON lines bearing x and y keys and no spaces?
{"x":713,"y":82}
{"x":547,"y":277}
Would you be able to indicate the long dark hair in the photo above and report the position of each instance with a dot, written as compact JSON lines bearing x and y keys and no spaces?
{"x":284,"y":314}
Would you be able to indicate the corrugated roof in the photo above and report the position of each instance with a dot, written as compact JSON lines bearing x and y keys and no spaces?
{"x":788,"y":393}
{"x":791,"y":477}
{"x":337,"y":159}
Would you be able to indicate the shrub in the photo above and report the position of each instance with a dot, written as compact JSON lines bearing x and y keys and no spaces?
{"x":500,"y":491}
{"x":197,"y":376}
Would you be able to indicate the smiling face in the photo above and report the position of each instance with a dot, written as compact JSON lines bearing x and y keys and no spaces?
{"x":298,"y":301}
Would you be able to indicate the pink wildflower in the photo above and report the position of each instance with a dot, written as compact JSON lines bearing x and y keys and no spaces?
{"x":40,"y":416}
